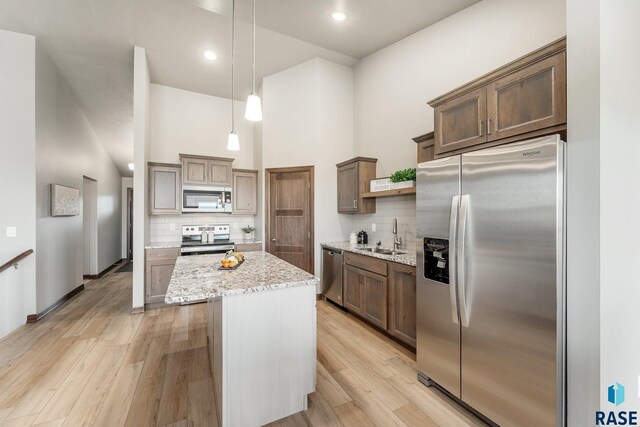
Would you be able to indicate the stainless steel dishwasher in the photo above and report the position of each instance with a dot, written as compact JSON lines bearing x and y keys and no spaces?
{"x":332,"y":274}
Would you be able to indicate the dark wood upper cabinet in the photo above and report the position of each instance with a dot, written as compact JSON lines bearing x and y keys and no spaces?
{"x":459,"y":123}
{"x":528,"y":100}
{"x":353,"y":181}
{"x":245,"y":192}
{"x":220,"y":172}
{"x":164,"y":188}
{"x":425,"y":146}
{"x":402,"y":302}
{"x":195,"y":171}
{"x":524,"y":99}
{"x":203,"y":170}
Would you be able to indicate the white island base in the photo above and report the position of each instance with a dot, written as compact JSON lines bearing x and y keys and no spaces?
{"x":262,"y":348}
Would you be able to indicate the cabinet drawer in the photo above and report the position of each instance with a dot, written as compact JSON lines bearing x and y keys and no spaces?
{"x":364,"y":262}
{"x":162,"y":254}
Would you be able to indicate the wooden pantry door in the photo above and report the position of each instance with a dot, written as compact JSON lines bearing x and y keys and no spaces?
{"x":289,"y":221}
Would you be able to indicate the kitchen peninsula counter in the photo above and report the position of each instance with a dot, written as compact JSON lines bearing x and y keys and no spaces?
{"x":261,"y":330}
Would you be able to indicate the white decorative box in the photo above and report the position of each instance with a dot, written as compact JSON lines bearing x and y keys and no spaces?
{"x":380,"y":184}
{"x":403,"y":184}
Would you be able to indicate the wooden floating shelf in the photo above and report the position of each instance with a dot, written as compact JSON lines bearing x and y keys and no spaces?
{"x":389,"y":193}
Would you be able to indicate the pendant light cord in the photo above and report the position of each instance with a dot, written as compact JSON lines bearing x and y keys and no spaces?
{"x":233,"y":35}
{"x":253,"y":86}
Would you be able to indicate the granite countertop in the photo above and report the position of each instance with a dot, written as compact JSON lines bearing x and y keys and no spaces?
{"x":163,"y":245}
{"x":197,"y":277}
{"x":407,"y":258}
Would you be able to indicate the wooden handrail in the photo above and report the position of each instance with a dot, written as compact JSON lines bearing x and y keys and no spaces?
{"x":14,"y":261}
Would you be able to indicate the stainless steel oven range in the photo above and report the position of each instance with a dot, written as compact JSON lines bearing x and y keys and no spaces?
{"x":205,"y":239}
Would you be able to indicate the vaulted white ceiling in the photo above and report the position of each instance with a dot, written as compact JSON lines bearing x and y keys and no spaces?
{"x":91,"y":42}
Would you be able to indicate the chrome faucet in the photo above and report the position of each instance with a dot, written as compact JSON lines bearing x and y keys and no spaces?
{"x":396,"y":240}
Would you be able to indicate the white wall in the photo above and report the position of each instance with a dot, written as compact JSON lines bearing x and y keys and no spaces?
{"x":583,"y":211}
{"x":393,"y":85}
{"x":141,"y":94}
{"x":193,"y":123}
{"x":619,"y":201}
{"x":18,"y":175}
{"x":127,"y":183}
{"x":66,"y":149}
{"x":308,"y":120}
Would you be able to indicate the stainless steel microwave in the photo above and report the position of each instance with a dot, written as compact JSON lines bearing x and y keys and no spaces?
{"x":206,"y":199}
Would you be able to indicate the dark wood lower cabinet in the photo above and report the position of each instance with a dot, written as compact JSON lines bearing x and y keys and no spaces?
{"x":375,"y":299}
{"x":402,"y":303}
{"x":386,"y":301}
{"x":353,"y":282}
{"x":159,"y":266}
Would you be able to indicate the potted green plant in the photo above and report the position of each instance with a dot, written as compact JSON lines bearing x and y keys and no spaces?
{"x":248,"y":233}
{"x":404,"y":178}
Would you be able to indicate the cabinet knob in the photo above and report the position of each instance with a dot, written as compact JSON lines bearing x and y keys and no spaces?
{"x":273,"y":240}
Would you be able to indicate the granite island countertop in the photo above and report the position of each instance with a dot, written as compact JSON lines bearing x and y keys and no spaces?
{"x":407,"y":258}
{"x":164,"y":245}
{"x":197,"y":278}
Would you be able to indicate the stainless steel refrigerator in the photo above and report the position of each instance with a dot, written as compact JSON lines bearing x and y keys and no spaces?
{"x":490,"y":290}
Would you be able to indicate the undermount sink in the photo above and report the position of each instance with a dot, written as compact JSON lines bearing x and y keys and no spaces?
{"x":383,"y":251}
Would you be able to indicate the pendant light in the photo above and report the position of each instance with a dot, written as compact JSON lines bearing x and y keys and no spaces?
{"x":254,"y":106}
{"x":233,"y":144}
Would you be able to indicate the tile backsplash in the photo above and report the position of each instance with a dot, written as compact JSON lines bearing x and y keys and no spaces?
{"x":168,"y":228}
{"x":387,"y":208}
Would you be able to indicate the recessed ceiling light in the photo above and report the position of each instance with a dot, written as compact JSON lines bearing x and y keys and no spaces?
{"x":130,"y":166}
{"x":338,"y":15}
{"x":210,"y":55}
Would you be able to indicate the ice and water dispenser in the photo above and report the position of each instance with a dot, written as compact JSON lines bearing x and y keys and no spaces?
{"x":436,"y":259}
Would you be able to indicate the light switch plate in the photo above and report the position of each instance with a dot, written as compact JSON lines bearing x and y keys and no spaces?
{"x":235,"y":225}
{"x":12,"y":232}
{"x":373,"y":227}
{"x":172,"y":227}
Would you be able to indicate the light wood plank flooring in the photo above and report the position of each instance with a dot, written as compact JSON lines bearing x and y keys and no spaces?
{"x":93,"y":363}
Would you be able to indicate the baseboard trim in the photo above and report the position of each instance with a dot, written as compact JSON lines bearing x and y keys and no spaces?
{"x":33,"y":318}
{"x":103,"y":272}
{"x":137,"y":310}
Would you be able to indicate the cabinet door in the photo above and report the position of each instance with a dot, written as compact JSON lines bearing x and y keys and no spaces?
{"x":375,"y":299}
{"x":158,"y":276}
{"x":245,"y":192}
{"x":194,"y":171}
{"x":220,"y":173}
{"x":164,"y":190}
{"x":353,"y":282}
{"x":460,"y":122}
{"x":348,"y":188}
{"x":528,"y":100}
{"x":426,"y":151}
{"x":402,"y":302}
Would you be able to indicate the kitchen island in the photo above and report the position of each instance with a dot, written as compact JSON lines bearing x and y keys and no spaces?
{"x":261,"y":330}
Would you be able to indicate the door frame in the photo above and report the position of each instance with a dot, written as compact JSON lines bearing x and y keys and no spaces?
{"x":267,"y":213}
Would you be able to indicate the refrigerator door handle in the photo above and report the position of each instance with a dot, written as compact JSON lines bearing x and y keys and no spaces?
{"x":461,"y":279}
{"x":453,"y":262}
